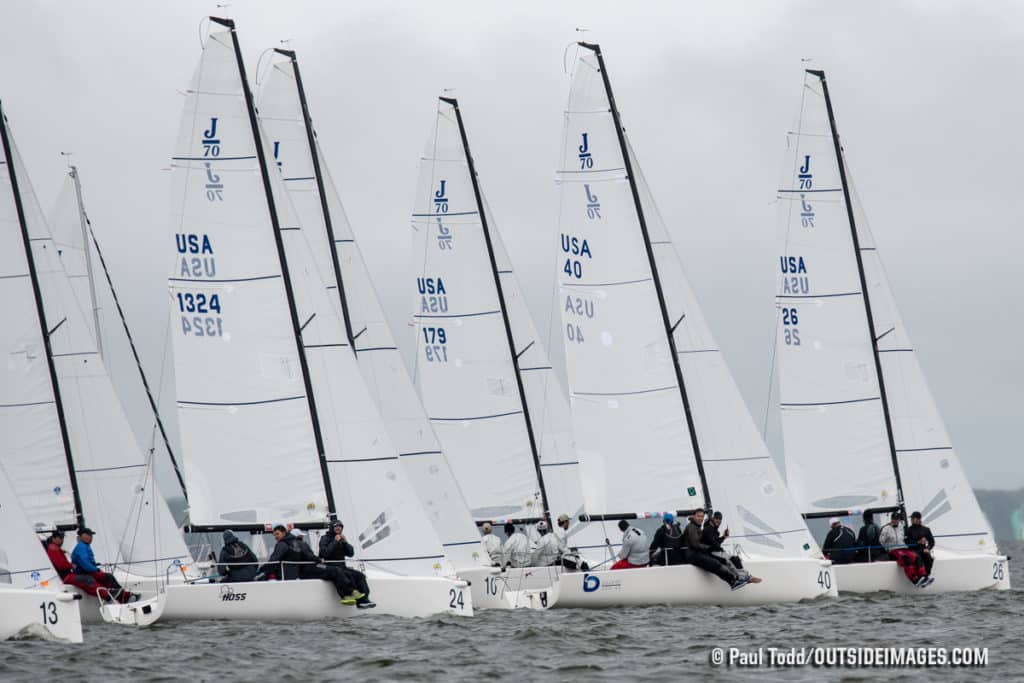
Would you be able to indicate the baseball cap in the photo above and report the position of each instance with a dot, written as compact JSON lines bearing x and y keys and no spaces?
{"x":297,"y":533}
{"x":563,"y":517}
{"x":86,"y":530}
{"x":833,"y":520}
{"x":487,"y":526}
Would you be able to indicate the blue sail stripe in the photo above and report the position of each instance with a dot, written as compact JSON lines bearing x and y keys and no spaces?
{"x":445,"y":215}
{"x":623,"y":393}
{"x":837,"y":189}
{"x":918,"y":450}
{"x":412,"y":453}
{"x":241,"y":403}
{"x":458,"y":315}
{"x":829,"y":403}
{"x":26,"y":405}
{"x":212,"y":159}
{"x":235,"y":279}
{"x":477,"y":417}
{"x":606,"y":284}
{"x":816,"y":296}
{"x":560,"y":464}
{"x":109,"y":469}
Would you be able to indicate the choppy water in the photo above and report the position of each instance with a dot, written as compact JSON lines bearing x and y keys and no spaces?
{"x":664,"y":643}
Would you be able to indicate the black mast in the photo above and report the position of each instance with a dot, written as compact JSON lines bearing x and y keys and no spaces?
{"x":272,"y":209}
{"x":504,"y":313}
{"x":135,"y":352}
{"x":324,"y":208}
{"x":41,"y":314}
{"x":863,"y":285}
{"x":669,"y":327}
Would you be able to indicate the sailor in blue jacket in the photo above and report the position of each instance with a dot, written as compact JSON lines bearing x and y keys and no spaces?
{"x":83,"y":561}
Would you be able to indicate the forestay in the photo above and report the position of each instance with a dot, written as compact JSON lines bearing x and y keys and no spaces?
{"x":376,"y":352}
{"x":837,"y":444}
{"x":464,"y":367}
{"x":115,"y":483}
{"x":627,"y":403}
{"x":244,"y":416}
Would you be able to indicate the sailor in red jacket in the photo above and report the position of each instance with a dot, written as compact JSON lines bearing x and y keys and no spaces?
{"x":63,"y":566}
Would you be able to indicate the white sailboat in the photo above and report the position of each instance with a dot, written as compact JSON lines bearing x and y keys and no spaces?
{"x":33,"y":600}
{"x":69,"y":452}
{"x":862,"y":431}
{"x":481,"y":368}
{"x":285,"y":117}
{"x":276,"y":425}
{"x":660,"y":424}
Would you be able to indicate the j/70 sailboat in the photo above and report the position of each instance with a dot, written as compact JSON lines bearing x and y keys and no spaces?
{"x":861,"y":428}
{"x":660,"y":424}
{"x":481,"y":368}
{"x":276,"y":424}
{"x":284,"y":114}
{"x":68,"y":450}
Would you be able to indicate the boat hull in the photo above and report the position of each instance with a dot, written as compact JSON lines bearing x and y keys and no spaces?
{"x":784,"y":580}
{"x":299,"y":600}
{"x":953,"y":573}
{"x":495,"y":588}
{"x":38,"y":612}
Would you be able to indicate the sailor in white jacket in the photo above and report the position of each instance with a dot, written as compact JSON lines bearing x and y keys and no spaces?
{"x":492,"y":544}
{"x":516,"y":551}
{"x":635,"y":550}
{"x":548,"y":548}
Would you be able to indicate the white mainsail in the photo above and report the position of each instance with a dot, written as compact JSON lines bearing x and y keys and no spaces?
{"x":838,"y":451}
{"x":632,"y":428}
{"x":282,"y":117}
{"x":114,"y":478}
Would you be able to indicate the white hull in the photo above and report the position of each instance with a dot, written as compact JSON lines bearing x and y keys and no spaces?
{"x":504,"y":589}
{"x":145,"y":586}
{"x":299,"y":600}
{"x":43,"y":613}
{"x":952,"y":573}
{"x":784,"y":580}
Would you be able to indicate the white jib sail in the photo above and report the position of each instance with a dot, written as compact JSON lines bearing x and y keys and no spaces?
{"x":378,"y":356}
{"x":23,"y":563}
{"x":622,"y":378}
{"x":67,"y":222}
{"x":848,"y":442}
{"x":115,"y":477}
{"x":463,"y":366}
{"x":246,"y":437}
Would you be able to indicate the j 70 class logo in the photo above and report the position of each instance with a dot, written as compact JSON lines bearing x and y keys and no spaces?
{"x":228,"y":594}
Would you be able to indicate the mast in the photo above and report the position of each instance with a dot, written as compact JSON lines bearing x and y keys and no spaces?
{"x":307,"y":121}
{"x":135,"y":352}
{"x":279,"y":242}
{"x":504,"y":313}
{"x":669,"y":327}
{"x":863,"y":286}
{"x":41,"y":314}
{"x":88,"y":260}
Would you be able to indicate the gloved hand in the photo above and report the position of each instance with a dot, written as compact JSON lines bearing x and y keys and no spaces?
{"x":260,"y":577}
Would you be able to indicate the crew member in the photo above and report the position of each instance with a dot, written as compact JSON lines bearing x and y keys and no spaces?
{"x":516,"y":551}
{"x":867,"y":539}
{"x":635,"y":553}
{"x":711,"y":536}
{"x":891,"y":539}
{"x":334,"y":549}
{"x":84,"y":562}
{"x":237,"y":562}
{"x":60,"y":562}
{"x":839,"y":543}
{"x":667,"y":546}
{"x":920,"y":540}
{"x":571,"y":558}
{"x":547,"y":552}
{"x":699,"y":554}
{"x":492,"y":544}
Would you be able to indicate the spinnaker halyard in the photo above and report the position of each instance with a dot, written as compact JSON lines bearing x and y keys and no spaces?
{"x":660,"y":424}
{"x":862,"y":432}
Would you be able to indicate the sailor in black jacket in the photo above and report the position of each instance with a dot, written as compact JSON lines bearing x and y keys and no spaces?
{"x":919,"y":539}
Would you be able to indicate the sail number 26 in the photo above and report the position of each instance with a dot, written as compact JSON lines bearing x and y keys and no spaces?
{"x":790,"y":334}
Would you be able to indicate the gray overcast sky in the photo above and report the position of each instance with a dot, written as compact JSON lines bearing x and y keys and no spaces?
{"x":926,"y":96}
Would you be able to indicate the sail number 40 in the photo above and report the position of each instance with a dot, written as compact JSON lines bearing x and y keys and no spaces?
{"x":825,"y":579}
